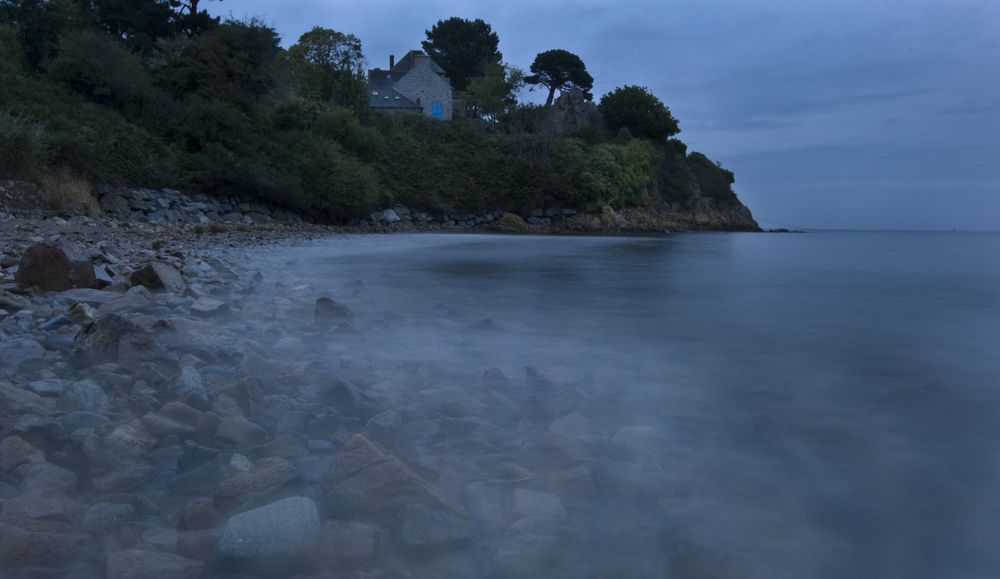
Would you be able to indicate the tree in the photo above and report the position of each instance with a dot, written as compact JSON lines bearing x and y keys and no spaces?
{"x":192,"y":21}
{"x":560,"y":70}
{"x":40,"y":23}
{"x":495,"y":93}
{"x":638,"y":110}
{"x":139,"y":23}
{"x":235,"y":63}
{"x":329,"y":66}
{"x":464,"y":48}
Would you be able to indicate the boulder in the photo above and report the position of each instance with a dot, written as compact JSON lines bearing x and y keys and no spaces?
{"x":112,"y":338}
{"x":16,"y":350}
{"x":190,"y":388}
{"x":207,"y":307}
{"x":33,"y":543}
{"x":239,"y":434}
{"x":352,"y":544}
{"x":142,"y":564}
{"x":103,"y":516}
{"x":44,"y":503}
{"x":328,"y":310}
{"x":158,"y":275}
{"x":83,"y":395}
{"x":361,"y":479}
{"x":278,"y":539}
{"x":424,"y":528}
{"x":55,"y":267}
{"x":15,"y":451}
{"x":269,"y":478}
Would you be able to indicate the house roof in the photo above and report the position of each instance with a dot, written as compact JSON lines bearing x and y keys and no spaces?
{"x":386,"y":97}
{"x":387,"y":78}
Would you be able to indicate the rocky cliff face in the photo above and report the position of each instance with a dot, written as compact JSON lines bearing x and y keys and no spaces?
{"x":697,"y":215}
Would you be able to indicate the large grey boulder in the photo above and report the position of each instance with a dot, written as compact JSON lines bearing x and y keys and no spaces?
{"x":83,"y":395}
{"x":277,"y":539}
{"x":55,"y":267}
{"x":17,"y":350}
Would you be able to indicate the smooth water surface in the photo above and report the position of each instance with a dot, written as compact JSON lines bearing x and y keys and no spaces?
{"x":822,"y":405}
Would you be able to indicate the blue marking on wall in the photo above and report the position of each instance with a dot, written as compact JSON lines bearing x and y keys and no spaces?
{"x":437,"y":111}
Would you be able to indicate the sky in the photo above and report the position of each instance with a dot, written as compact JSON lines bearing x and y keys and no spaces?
{"x":843,"y":114}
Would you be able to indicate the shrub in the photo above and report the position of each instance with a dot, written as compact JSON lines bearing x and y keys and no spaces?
{"x":64,"y":191}
{"x":23,"y":146}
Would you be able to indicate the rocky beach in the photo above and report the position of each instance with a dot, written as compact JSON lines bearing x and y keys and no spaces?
{"x":168,"y":410}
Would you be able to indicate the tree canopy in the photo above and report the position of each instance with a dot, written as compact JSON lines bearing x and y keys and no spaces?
{"x":495,"y":93}
{"x":640,"y":111}
{"x":463,"y":48}
{"x":560,"y":70}
{"x":329,"y":66}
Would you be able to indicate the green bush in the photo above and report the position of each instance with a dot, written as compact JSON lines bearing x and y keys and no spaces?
{"x":715,"y":182}
{"x":23,"y":146}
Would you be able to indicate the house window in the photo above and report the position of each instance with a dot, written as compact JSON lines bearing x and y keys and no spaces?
{"x":374,"y":93}
{"x":437,"y":111}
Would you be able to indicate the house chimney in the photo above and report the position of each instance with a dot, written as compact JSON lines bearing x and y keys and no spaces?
{"x":392,"y":61}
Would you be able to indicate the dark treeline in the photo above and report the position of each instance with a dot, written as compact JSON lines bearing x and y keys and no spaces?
{"x":159,"y":93}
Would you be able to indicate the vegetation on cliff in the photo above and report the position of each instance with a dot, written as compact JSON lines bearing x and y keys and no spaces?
{"x":152,"y":93}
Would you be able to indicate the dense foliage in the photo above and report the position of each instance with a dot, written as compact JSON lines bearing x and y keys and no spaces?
{"x":157,"y":93}
{"x":465,"y":49}
{"x":638,"y":110}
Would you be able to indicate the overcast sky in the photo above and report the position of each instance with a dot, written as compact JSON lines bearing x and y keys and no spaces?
{"x":833,"y":114}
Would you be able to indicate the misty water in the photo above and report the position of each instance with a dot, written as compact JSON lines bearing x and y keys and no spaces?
{"x":816,"y":405}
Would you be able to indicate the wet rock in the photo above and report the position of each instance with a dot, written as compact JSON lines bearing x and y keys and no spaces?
{"x":239,"y":434}
{"x":198,"y":545}
{"x":84,"y":395}
{"x":190,"y":389}
{"x":200,"y":481}
{"x":15,"y":451}
{"x":17,"y":350}
{"x":160,"y":539}
{"x":422,"y":527}
{"x":45,"y":503}
{"x":529,"y":503}
{"x":161,"y":427}
{"x":208,"y":307}
{"x":112,"y":338}
{"x":41,"y":475}
{"x":55,"y":267}
{"x":52,"y":387}
{"x":285,"y":446}
{"x":51,"y":544}
{"x":9,"y":301}
{"x":157,"y":275}
{"x":14,"y":400}
{"x":328,"y":310}
{"x":142,"y":564}
{"x":279,"y":538}
{"x":573,"y":426}
{"x":363,"y":479}
{"x":81,"y":314}
{"x":527,"y":550}
{"x":270,"y":478}
{"x":289,"y":348}
{"x":352,"y":544}
{"x":198,"y":515}
{"x":87,"y":296}
{"x":73,"y":421}
{"x":103,"y":516}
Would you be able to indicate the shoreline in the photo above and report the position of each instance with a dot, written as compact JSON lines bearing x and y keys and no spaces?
{"x":149,"y":421}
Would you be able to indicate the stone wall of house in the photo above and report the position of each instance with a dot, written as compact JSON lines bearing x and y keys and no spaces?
{"x":421,"y":82}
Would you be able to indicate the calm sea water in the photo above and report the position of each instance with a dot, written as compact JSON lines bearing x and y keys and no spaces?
{"x":825,"y":404}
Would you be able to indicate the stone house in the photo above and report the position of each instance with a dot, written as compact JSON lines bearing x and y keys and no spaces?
{"x":414,"y":84}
